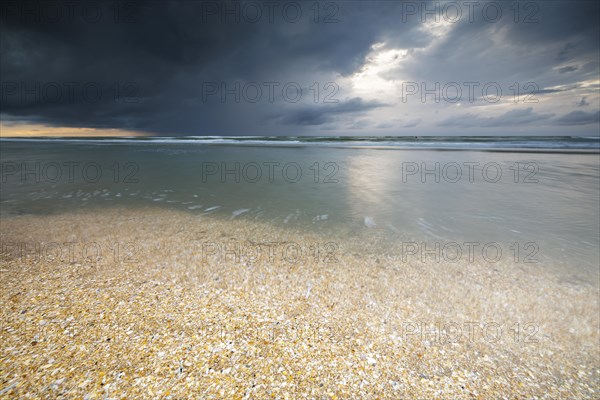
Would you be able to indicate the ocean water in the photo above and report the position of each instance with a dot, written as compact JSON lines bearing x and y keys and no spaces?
{"x":532,"y":199}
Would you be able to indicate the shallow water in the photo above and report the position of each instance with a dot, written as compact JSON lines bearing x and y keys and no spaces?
{"x":533,"y":206}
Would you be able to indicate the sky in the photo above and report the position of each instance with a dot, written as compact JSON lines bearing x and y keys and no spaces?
{"x":204,"y":68}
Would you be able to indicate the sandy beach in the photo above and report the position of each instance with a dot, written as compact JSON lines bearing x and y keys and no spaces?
{"x":149,"y":304}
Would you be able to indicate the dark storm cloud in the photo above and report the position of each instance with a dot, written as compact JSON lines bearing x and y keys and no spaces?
{"x":143,"y":64}
{"x":146,"y":64}
{"x":146,"y":68}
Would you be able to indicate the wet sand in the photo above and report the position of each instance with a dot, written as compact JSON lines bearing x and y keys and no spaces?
{"x":151,"y":303}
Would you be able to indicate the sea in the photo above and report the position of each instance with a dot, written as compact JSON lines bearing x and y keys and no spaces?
{"x":533,"y":200}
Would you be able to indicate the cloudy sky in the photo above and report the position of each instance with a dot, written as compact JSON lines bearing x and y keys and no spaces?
{"x":300,"y":68}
